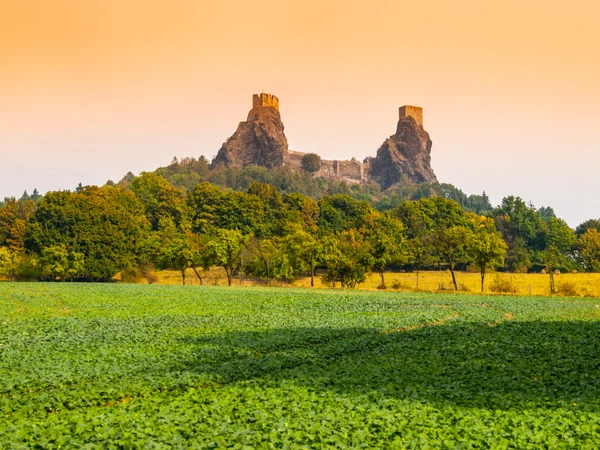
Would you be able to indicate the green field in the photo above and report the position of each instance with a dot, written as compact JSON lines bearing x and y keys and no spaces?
{"x":137,"y":366}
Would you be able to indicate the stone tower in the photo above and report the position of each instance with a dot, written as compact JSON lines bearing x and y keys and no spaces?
{"x":265,"y":100}
{"x":415,"y":112}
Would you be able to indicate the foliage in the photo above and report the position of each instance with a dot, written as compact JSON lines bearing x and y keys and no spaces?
{"x":225,"y":248}
{"x":503,"y":285}
{"x":8,"y":263}
{"x":485,"y":246}
{"x":589,"y":249}
{"x":347,"y":259}
{"x":105,"y":225}
{"x":311,"y":162}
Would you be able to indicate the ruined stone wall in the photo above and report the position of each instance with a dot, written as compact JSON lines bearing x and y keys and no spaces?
{"x":352,"y":171}
{"x":412,"y":111}
{"x":265,"y":100}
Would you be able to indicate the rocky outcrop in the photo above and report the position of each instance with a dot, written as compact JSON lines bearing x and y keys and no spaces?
{"x":259,"y":141}
{"x":408,"y":152}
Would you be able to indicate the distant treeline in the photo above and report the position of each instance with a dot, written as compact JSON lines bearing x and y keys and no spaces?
{"x":279,"y":225}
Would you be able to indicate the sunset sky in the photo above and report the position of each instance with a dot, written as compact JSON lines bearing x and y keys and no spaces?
{"x":91,"y":89}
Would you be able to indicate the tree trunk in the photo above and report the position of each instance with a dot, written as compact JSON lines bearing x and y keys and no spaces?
{"x":229,"y":273}
{"x":183,"y":276}
{"x":312,"y":276}
{"x":453,"y":276}
{"x":482,"y":278}
{"x":382,"y":279}
{"x":417,"y":280}
{"x":268,"y":274}
{"x":552,"y":287}
{"x":198,"y":275}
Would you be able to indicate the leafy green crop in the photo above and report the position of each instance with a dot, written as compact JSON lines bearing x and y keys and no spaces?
{"x":121,"y":366}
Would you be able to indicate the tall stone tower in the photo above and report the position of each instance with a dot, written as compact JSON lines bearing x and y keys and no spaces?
{"x":265,"y":100}
{"x":415,"y":112}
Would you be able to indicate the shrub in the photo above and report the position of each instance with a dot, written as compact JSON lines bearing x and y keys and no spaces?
{"x":567,"y":289}
{"x":503,"y":285}
{"x":129,"y":275}
{"x":152,"y":277}
{"x":382,"y":286}
{"x":400,"y":286}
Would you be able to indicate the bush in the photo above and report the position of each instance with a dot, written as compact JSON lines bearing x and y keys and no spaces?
{"x":382,"y":286}
{"x":400,"y":286}
{"x":311,"y":162}
{"x":503,"y":285}
{"x":129,"y":275}
{"x":152,"y":277}
{"x":567,"y":289}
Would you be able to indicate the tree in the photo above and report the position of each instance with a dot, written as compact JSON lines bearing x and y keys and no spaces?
{"x":486,"y":246}
{"x":225,"y":249}
{"x":161,"y":200}
{"x":562,"y":239}
{"x":342,"y":213}
{"x":346,"y":258}
{"x":585,"y":226}
{"x":302,"y":210}
{"x":106,"y":225}
{"x":57,"y":262}
{"x":8,"y":263}
{"x":589,"y":249}
{"x":522,"y":229}
{"x":451,"y":245}
{"x":385,"y":240}
{"x":552,"y":258}
{"x":304,"y":251}
{"x":264,"y":251}
{"x":311,"y":162}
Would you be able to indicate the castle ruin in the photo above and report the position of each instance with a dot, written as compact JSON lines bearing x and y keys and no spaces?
{"x":261,"y":141}
{"x":412,"y":111}
{"x":265,"y":100}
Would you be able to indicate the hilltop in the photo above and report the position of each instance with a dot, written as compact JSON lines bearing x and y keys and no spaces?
{"x":261,"y":141}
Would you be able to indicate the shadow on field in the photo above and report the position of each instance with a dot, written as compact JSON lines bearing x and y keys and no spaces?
{"x":547,"y":364}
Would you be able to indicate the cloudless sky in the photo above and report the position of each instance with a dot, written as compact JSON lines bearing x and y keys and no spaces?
{"x":510,"y":89}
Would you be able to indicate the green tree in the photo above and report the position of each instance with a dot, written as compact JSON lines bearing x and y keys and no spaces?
{"x":304,"y":250}
{"x":451,"y":246}
{"x":342,"y":213}
{"x":346,"y":258}
{"x":311,"y":162}
{"x":106,"y":225}
{"x":585,"y":226}
{"x":485,"y":246}
{"x":225,"y":249}
{"x":8,"y":263}
{"x":264,"y":252}
{"x":302,"y":210}
{"x":562,"y":239}
{"x":161,"y":200}
{"x":522,"y":229}
{"x":57,"y":262}
{"x":385,"y":243}
{"x":589,"y":249}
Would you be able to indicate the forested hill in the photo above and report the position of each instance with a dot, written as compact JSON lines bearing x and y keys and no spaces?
{"x":186,"y":173}
{"x":278,"y":224}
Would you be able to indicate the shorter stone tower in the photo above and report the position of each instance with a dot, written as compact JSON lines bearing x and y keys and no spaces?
{"x":265,"y":100}
{"x":415,"y":112}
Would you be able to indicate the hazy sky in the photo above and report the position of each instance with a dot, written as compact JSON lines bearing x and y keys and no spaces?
{"x":90,"y":89}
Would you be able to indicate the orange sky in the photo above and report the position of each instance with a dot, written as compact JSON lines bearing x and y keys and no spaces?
{"x":91,"y":89}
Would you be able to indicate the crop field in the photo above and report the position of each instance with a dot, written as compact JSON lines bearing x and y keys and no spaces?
{"x":139,"y":366}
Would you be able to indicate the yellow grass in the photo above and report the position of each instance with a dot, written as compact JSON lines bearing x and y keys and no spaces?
{"x":585,"y":284}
